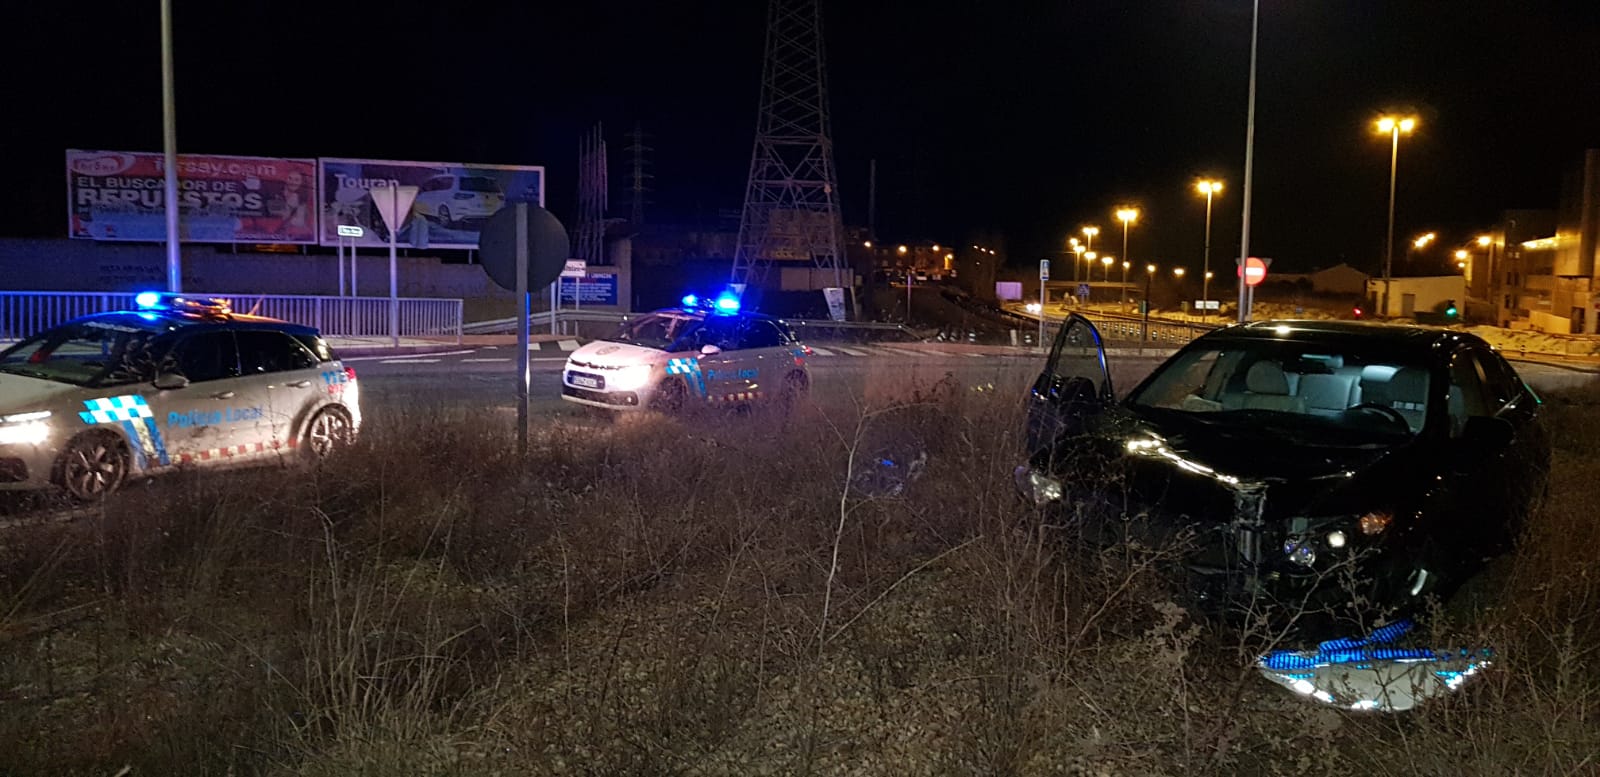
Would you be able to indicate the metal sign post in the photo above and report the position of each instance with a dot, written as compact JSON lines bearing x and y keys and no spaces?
{"x":1044,"y":275}
{"x":350,"y":232}
{"x":525,"y":304}
{"x":393,"y":202}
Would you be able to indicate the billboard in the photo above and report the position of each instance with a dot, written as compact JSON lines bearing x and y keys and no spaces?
{"x":116,"y":195}
{"x":453,"y":200}
{"x":598,"y":289}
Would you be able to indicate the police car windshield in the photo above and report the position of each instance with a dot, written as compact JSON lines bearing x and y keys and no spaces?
{"x":654,"y":330}
{"x":83,"y":354}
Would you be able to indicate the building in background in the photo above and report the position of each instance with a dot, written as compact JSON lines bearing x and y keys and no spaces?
{"x":1540,"y":268}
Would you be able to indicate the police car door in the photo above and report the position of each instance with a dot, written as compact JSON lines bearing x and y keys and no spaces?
{"x":718,"y":342}
{"x":192,"y":415}
{"x":762,"y":357}
{"x":283,"y":382}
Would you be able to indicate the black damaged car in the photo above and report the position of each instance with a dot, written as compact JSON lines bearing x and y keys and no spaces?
{"x":1313,"y":466}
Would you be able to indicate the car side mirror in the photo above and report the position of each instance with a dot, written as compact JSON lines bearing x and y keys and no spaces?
{"x":1487,"y":433}
{"x":167,"y":381}
{"x":709,"y":350}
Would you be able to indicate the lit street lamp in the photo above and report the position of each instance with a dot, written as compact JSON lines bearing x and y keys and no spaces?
{"x":1392,"y":126}
{"x":1127,"y":216}
{"x":1209,"y":188}
{"x":1108,"y":261}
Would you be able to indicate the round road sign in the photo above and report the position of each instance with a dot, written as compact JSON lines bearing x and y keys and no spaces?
{"x":1254,"y":271}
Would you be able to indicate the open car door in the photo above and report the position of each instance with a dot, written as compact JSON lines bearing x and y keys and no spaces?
{"x":1075,"y":385}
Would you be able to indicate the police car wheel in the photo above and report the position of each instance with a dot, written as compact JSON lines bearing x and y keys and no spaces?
{"x":328,"y":431}
{"x":670,"y":398}
{"x":93,"y":466}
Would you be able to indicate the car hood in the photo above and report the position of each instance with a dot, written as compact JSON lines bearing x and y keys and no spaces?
{"x":604,"y":355}
{"x":1203,"y":471}
{"x":22,"y":394}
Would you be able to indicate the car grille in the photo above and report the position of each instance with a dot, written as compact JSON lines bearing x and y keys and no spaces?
{"x":624,"y":398}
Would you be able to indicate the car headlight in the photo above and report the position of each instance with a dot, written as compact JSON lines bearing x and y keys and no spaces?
{"x":25,"y":428}
{"x":1309,"y":535}
{"x":629,"y":378}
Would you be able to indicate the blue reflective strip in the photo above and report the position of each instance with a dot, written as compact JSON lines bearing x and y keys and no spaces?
{"x":139,"y":458}
{"x":155,"y":437}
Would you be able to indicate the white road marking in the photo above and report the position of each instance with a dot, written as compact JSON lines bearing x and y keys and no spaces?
{"x":408,"y":361}
{"x":380,"y":358}
{"x":569,"y":345}
{"x":851,"y":351}
{"x":900,"y":351}
{"x":481,"y":361}
{"x":821,"y":351}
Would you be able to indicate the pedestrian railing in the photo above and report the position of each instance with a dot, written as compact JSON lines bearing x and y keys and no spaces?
{"x":22,"y":313}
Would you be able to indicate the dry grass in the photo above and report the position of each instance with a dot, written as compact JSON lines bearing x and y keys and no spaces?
{"x":707,"y":596}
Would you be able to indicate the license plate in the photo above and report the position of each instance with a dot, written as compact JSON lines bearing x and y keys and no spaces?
{"x":584,"y":381}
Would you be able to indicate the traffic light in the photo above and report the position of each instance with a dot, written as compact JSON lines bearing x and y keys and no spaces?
{"x":1450,"y":309}
{"x":1356,"y":311}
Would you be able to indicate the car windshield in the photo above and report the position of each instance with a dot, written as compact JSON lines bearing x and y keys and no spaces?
{"x":1310,"y":391}
{"x":654,"y":330}
{"x":475,"y":184}
{"x":85,"y":353}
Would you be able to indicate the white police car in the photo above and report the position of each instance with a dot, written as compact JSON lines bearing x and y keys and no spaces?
{"x":706,"y":352}
{"x":86,"y":405}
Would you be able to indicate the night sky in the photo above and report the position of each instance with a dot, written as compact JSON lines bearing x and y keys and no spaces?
{"x":1022,"y":120}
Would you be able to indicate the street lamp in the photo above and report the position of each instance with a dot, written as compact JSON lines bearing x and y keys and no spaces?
{"x":1090,"y":257}
{"x":1126,"y":215}
{"x":1392,"y":126}
{"x":1089,"y":235}
{"x":1108,"y":261}
{"x":1078,"y":249}
{"x":1073,"y":248}
{"x":1210,"y":189}
{"x":1422,"y":241}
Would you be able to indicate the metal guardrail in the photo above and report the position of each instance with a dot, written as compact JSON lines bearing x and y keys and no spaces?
{"x":23,"y":313}
{"x":541,"y":322}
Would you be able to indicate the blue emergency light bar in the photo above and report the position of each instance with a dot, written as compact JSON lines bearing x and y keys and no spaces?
{"x":156,"y":300}
{"x":725,"y":303}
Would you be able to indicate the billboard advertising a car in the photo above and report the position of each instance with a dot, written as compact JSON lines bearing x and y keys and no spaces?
{"x":117,"y":195}
{"x":453,"y":200}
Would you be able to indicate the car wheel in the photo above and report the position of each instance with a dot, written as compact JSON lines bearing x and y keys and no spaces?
{"x":330,"y":430}
{"x":444,"y":215}
{"x":672,"y":396}
{"x":94,"y":465}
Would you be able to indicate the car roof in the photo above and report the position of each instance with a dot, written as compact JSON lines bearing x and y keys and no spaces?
{"x":168,"y":319}
{"x":1349,"y":334}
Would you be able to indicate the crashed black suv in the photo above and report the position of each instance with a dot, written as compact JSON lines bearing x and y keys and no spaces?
{"x":1310,"y":465}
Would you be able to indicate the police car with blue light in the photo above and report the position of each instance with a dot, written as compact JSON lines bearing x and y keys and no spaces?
{"x":179,"y":382}
{"x":707,"y":352}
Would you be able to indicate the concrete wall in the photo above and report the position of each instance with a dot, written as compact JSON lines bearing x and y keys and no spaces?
{"x":85,"y":265}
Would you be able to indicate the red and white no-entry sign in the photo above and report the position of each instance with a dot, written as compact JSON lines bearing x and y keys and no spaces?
{"x":1254,"y":271}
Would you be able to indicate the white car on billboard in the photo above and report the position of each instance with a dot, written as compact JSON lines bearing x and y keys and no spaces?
{"x":448,"y":199}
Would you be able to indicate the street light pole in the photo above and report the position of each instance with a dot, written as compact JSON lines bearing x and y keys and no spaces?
{"x":1125,"y":265}
{"x":1393,"y":126}
{"x":1209,"y":189}
{"x":1249,"y":160}
{"x":169,"y":143}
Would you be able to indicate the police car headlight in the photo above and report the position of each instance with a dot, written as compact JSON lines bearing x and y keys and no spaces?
{"x":629,"y":378}
{"x":25,"y":428}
